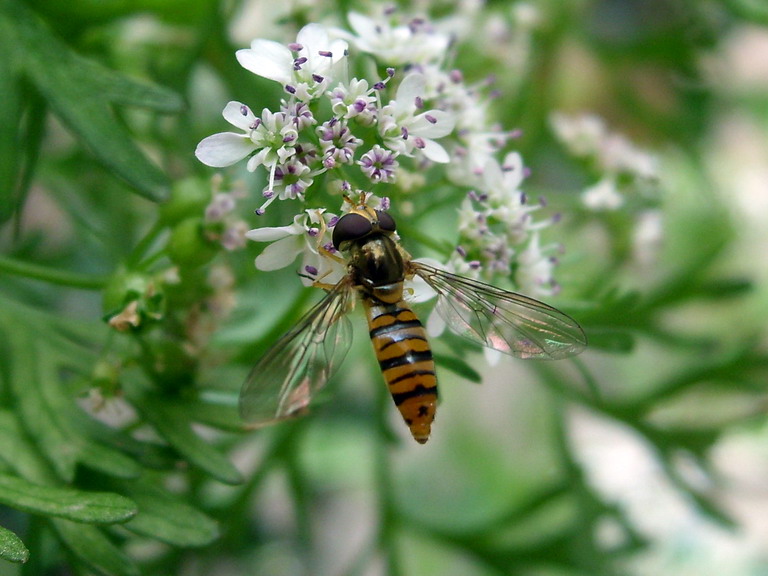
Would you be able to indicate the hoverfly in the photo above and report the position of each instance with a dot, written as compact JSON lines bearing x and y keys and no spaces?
{"x":285,"y":380}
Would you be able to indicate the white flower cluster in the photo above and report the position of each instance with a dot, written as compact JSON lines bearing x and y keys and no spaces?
{"x":620,"y":163}
{"x":383,"y":131}
{"x":626,"y":177}
{"x":296,"y":146}
{"x":498,"y":235}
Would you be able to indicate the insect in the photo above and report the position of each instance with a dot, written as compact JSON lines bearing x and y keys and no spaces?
{"x":285,"y":380}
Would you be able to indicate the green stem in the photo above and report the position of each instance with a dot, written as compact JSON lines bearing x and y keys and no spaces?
{"x":145,"y":244}
{"x":385,"y":488}
{"x":51,"y":275}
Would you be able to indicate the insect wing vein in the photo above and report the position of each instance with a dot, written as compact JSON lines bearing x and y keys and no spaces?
{"x":285,"y":380}
{"x":502,"y":320}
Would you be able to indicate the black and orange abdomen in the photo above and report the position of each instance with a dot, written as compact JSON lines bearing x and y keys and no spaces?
{"x":400,"y":342}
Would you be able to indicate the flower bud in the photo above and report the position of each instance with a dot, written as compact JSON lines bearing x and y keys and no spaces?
{"x":188,"y":198}
{"x":188,"y":246}
{"x":131,"y":300}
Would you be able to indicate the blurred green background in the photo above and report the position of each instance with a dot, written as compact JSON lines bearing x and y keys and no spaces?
{"x":121,"y":453}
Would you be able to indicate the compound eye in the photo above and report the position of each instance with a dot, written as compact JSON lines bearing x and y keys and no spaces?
{"x":350,"y":227}
{"x":386,"y":222}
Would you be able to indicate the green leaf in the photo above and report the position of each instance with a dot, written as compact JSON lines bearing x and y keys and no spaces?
{"x":109,"y":461}
{"x":10,"y":112}
{"x":82,"y":93}
{"x":459,"y":367}
{"x":38,"y":420}
{"x":610,"y":340}
{"x":12,"y":548}
{"x":172,"y":422}
{"x":722,"y":288}
{"x":19,"y":453}
{"x":50,"y":416}
{"x":219,"y":416}
{"x":91,"y":546}
{"x":169,"y":520}
{"x":175,"y":427}
{"x":753,"y":10}
{"x":77,"y":505}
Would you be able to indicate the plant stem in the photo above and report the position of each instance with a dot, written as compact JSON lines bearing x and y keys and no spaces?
{"x":145,"y":244}
{"x":384,"y":484}
{"x":51,"y":275}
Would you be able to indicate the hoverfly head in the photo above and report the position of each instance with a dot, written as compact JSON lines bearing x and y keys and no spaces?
{"x":361,"y":221}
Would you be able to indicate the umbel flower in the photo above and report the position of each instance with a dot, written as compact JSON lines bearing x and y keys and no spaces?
{"x":335,"y":127}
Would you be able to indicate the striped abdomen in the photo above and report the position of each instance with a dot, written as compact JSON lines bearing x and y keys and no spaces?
{"x":405,"y":358}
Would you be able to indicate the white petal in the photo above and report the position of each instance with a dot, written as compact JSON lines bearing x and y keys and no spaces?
{"x":513,"y":170}
{"x":233,"y":113}
{"x":313,"y":37}
{"x":492,"y":356}
{"x":362,"y":25}
{"x":328,"y":270}
{"x":339,"y":49}
{"x":435,"y":152}
{"x":435,"y":324}
{"x":416,"y":288}
{"x":493,"y":176}
{"x":255,"y":161}
{"x":270,"y":234}
{"x":411,"y":87}
{"x":442,"y":125}
{"x":268,"y":59}
{"x":223,"y":149}
{"x":280,"y":254}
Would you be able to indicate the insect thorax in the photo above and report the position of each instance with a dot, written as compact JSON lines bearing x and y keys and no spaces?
{"x":375,"y":262}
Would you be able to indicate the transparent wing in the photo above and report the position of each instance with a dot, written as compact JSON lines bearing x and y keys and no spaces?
{"x":502,"y":320}
{"x":283,"y":382}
